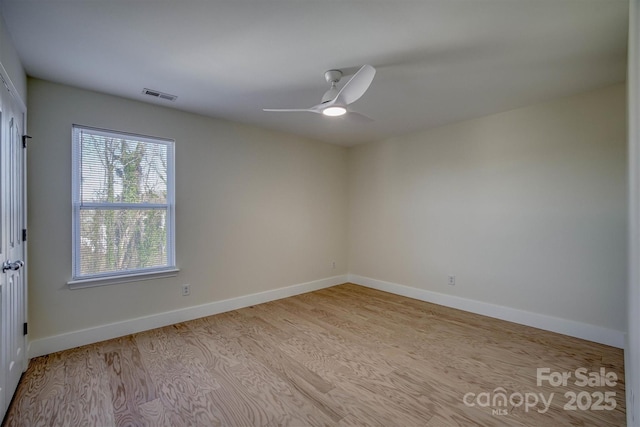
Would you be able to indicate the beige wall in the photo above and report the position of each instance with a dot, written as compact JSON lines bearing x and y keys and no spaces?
{"x":256,"y":210}
{"x":526,"y":208}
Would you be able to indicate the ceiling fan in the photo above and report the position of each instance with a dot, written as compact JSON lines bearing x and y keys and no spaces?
{"x":335,"y":101}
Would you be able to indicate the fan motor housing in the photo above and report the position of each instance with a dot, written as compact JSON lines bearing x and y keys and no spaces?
{"x":333,"y":76}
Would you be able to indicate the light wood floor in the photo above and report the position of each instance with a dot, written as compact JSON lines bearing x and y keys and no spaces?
{"x":343,"y":356}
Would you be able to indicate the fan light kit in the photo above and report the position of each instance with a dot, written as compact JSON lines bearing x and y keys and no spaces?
{"x":334,"y":111}
{"x":334,"y":102}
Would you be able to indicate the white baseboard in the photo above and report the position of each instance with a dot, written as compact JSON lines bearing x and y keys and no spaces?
{"x":48,"y":345}
{"x":541,"y":321}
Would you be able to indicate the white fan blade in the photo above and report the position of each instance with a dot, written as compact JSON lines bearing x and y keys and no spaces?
{"x":357,"y":117}
{"x":357,"y":85}
{"x":291,"y":110}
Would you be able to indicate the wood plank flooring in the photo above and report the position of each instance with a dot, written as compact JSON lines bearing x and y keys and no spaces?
{"x":342,"y":356}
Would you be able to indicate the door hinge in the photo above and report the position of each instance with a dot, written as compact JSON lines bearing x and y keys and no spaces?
{"x":25,"y":328}
{"x":24,"y":234}
{"x":24,"y":140}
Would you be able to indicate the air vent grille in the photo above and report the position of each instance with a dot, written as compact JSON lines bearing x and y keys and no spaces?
{"x":158,"y":94}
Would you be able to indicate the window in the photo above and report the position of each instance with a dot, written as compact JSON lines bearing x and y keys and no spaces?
{"x":123,"y":205}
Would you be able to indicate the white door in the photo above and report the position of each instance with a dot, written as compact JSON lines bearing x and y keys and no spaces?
{"x":12,"y":248}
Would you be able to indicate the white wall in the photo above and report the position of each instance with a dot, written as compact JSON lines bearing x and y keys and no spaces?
{"x":526,"y":208}
{"x":10,"y":62}
{"x":632,"y":351}
{"x":256,"y":210}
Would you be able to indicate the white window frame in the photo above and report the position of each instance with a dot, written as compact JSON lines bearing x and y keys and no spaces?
{"x":99,"y":279}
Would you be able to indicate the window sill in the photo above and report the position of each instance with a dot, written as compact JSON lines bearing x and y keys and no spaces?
{"x":114,"y":280}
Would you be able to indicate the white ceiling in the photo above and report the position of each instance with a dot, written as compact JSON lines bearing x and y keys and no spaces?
{"x":437,"y":61}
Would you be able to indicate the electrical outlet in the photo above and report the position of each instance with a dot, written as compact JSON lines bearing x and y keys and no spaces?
{"x":186,"y":290}
{"x":452,"y":280}
{"x":333,"y":265}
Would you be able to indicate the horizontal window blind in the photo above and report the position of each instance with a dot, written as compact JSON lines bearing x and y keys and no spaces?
{"x":123,"y":203}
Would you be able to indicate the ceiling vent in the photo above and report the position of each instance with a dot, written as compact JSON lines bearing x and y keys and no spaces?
{"x":158,"y":94}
